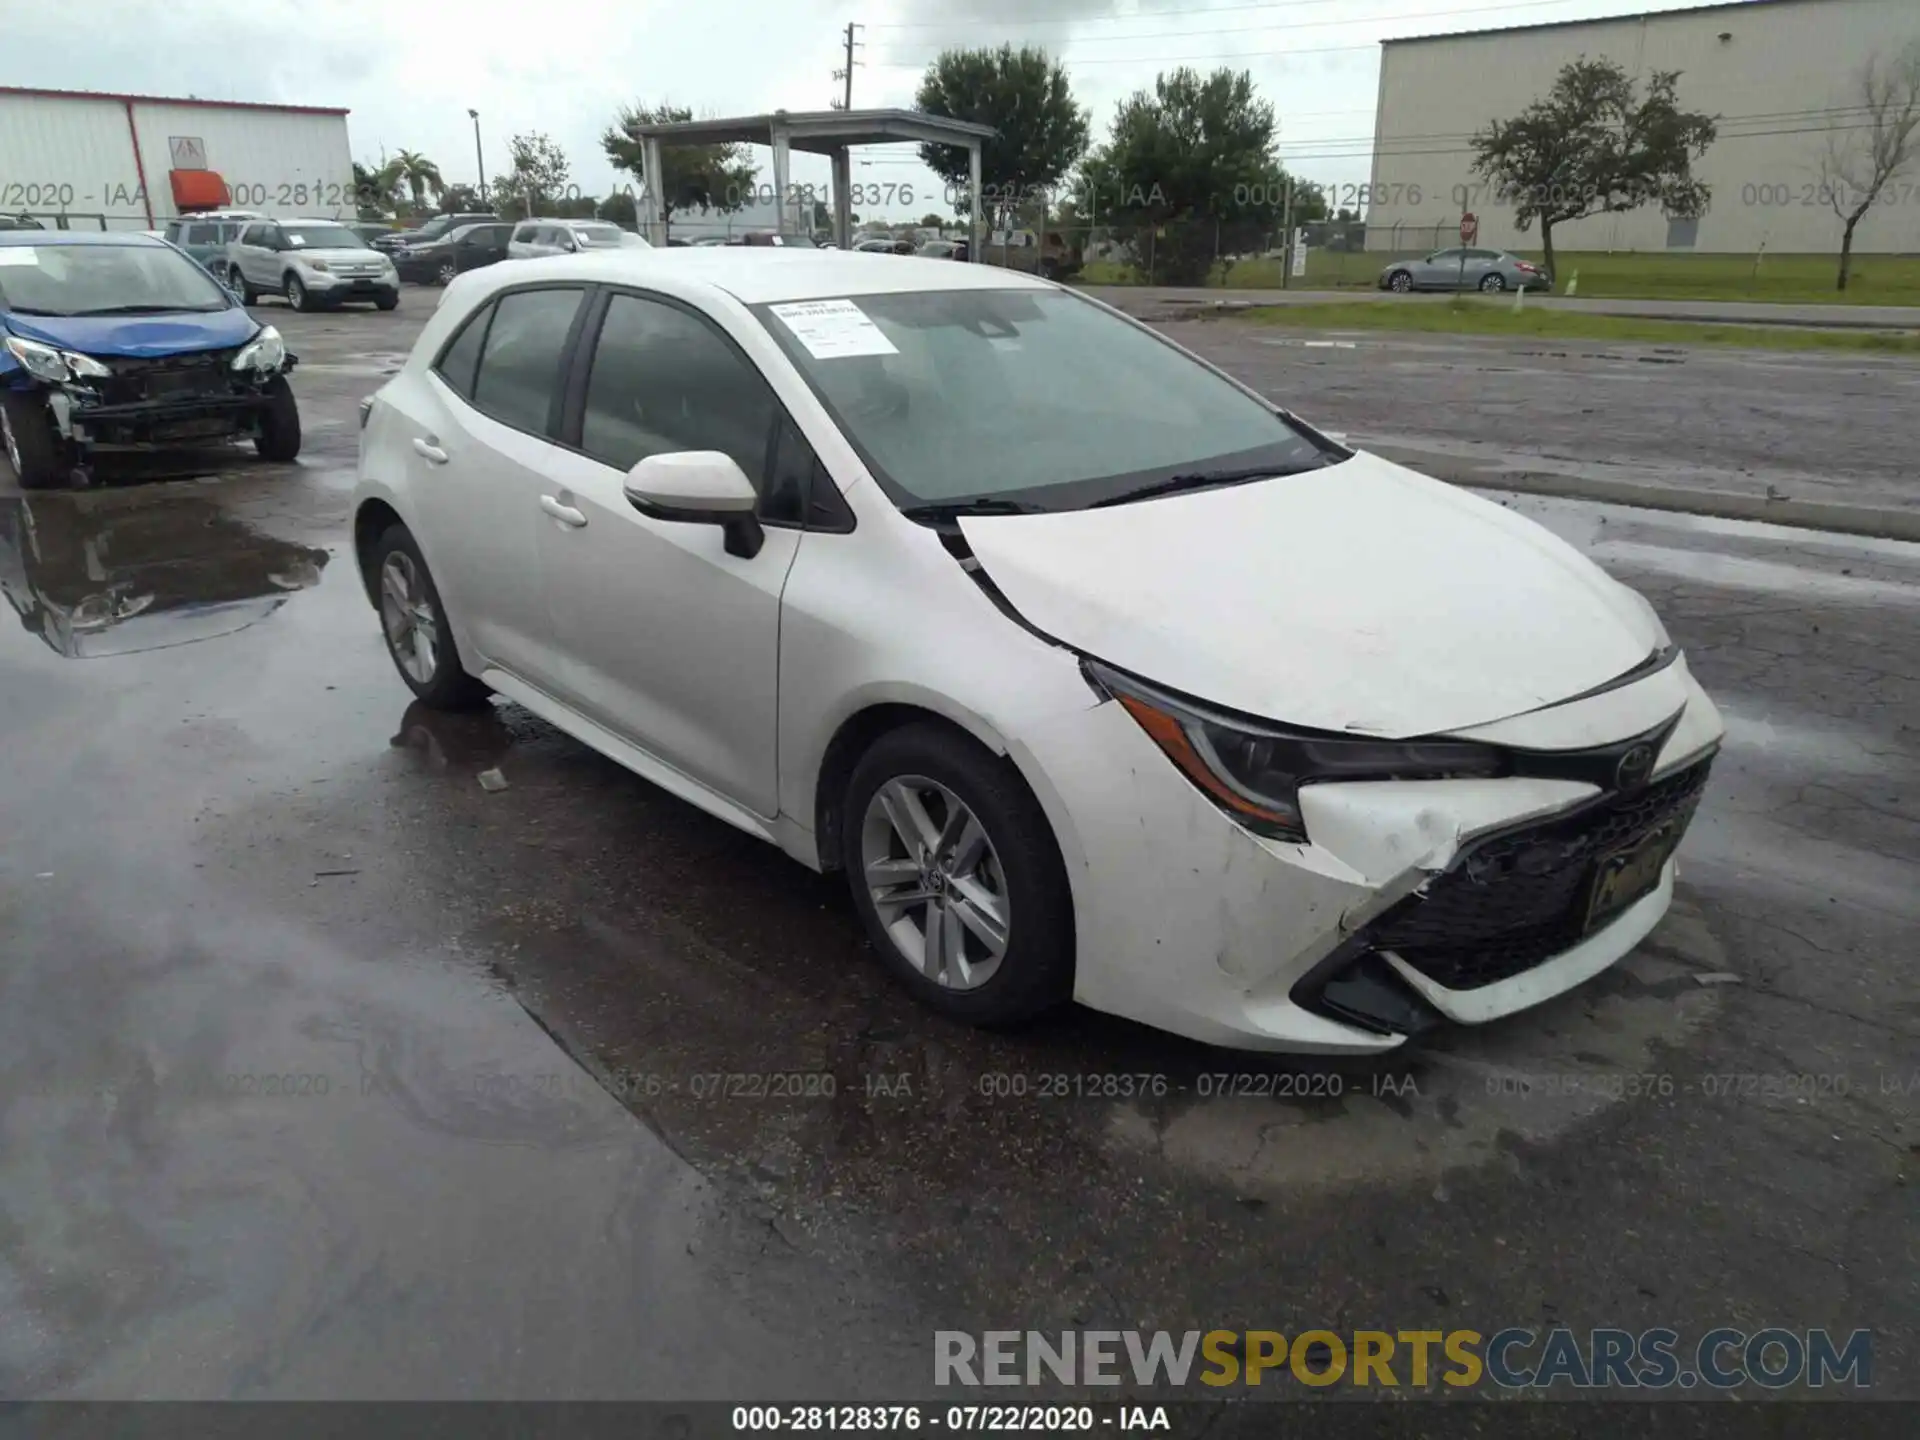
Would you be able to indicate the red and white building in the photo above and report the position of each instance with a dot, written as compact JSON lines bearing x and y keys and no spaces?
{"x":92,"y":159}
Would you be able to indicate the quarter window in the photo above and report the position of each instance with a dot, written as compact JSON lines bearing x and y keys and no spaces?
{"x":520,"y":368}
{"x":459,"y":360}
{"x":665,"y":381}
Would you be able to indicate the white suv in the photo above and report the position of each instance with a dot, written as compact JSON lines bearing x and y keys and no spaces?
{"x":533,"y":238}
{"x":311,"y":262}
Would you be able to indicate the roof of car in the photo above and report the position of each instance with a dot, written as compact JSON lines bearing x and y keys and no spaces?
{"x":78,"y":237}
{"x":309,"y":220}
{"x":757,"y":275}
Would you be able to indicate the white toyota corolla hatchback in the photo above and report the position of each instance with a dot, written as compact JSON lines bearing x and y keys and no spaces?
{"x":1098,"y":674}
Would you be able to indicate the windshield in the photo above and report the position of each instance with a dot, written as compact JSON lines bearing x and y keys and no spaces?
{"x":598,"y":237}
{"x":1035,"y":397}
{"x":104,"y":279}
{"x":322,"y":237}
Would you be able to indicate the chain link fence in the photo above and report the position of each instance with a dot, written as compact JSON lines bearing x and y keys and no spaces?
{"x":1234,"y":254}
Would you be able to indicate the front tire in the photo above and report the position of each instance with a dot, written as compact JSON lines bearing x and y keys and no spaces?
{"x":237,"y":282}
{"x":387,"y":302}
{"x":1400,"y":282}
{"x":297,"y":297}
{"x":446,"y":274}
{"x":279,"y":437}
{"x":957,"y":877}
{"x":39,"y":457}
{"x":414,"y":622}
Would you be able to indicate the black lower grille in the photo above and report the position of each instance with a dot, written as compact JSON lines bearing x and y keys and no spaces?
{"x":168,"y":377}
{"x":1520,"y":898}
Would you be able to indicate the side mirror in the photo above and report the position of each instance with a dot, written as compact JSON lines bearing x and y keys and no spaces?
{"x":701,"y":487}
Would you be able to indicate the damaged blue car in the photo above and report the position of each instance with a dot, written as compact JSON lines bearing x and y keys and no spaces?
{"x":117,"y":341}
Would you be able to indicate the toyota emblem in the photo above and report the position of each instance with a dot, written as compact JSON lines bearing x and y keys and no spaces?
{"x":1634,"y":768}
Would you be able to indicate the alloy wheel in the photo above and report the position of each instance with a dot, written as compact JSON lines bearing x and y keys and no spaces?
{"x":406,"y":614}
{"x":936,"y":882}
{"x":1402,"y":282}
{"x":447,"y":273}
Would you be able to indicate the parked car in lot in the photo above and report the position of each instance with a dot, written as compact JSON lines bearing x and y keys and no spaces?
{"x":568,"y":237}
{"x":1097,"y":673}
{"x":772,"y":240}
{"x":466,"y":247}
{"x":883,"y":245}
{"x":313,"y":263}
{"x":206,"y":237}
{"x":942,"y":249}
{"x":1465,"y":269}
{"x":113,"y":341}
{"x":435,"y":229}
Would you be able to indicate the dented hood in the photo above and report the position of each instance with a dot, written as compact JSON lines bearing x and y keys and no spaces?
{"x":1360,"y":597}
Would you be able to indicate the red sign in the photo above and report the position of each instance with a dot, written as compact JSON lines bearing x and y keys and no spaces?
{"x":1469,"y":228}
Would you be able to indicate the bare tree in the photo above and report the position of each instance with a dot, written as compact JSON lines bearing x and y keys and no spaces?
{"x":1872,"y":143}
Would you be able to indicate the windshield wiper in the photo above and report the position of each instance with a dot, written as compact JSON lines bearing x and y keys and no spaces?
{"x":29,"y":310}
{"x":978,"y":505}
{"x":1193,"y":480}
{"x":147,"y":310}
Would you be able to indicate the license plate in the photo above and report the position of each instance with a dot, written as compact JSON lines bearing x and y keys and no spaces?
{"x":1629,"y":874}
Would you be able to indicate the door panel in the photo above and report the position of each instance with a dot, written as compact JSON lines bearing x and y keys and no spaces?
{"x":665,"y":638}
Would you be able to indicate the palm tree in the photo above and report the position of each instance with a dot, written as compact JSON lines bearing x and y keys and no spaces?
{"x":419,"y":174}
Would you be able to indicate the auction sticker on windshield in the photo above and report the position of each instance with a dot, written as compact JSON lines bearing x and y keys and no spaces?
{"x":833,"y":329}
{"x":27,"y":255}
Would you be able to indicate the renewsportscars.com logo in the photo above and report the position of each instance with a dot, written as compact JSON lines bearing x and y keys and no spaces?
{"x":1514,"y":1359}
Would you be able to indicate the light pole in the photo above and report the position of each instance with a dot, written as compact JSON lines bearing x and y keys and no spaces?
{"x":479,"y":160}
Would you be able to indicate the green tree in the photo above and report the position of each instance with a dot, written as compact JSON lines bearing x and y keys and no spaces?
{"x":1189,"y":175}
{"x":1040,"y":130}
{"x":538,"y":176}
{"x":620,"y":209}
{"x":1593,"y":145}
{"x":373,"y":187}
{"x":419,"y":174}
{"x":932,"y":221}
{"x":461,"y":200}
{"x":705,"y":177}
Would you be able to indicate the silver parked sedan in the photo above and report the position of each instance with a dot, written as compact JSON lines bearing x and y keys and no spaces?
{"x":1459,"y":269}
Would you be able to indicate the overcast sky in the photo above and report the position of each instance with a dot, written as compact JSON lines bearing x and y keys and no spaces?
{"x":409,"y":72}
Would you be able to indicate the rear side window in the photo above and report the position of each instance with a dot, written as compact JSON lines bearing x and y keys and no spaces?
{"x":520,"y":366}
{"x":461,"y":359}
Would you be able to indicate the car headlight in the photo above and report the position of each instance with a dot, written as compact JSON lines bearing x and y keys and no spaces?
{"x":314,"y":264}
{"x":266,"y":352}
{"x":44,"y":362}
{"x":1254,"y":771}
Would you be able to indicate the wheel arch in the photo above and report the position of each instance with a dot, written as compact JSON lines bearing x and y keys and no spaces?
{"x":856,"y":734}
{"x":371,"y":520}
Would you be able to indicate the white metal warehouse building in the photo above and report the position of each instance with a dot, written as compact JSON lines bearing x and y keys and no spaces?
{"x":128,"y":162}
{"x":1780,"y":74}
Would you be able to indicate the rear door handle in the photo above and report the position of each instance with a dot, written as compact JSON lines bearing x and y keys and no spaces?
{"x":565,"y":514}
{"x":430,"y":450}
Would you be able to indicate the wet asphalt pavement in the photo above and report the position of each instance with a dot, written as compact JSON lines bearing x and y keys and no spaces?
{"x":326,"y":1072}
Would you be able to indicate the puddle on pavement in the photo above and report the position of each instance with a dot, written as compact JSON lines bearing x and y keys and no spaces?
{"x":114,"y":572}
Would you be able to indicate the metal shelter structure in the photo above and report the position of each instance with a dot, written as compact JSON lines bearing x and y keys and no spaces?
{"x":820,"y":132}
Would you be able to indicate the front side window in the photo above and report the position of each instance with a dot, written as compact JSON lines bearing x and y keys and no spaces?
{"x":664,"y":381}
{"x":105,"y":280}
{"x":1035,"y":396}
{"x":520,"y":366}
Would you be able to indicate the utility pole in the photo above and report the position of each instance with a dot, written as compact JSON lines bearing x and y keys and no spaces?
{"x":845,"y":102}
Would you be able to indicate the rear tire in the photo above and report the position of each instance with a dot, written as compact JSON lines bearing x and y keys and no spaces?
{"x":1017,"y":883}
{"x":279,"y":437}
{"x":1493,"y":284}
{"x":414,"y":623}
{"x":39,"y":458}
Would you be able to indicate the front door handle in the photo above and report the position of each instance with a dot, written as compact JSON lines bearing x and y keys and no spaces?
{"x":430,"y":450}
{"x":565,"y":514}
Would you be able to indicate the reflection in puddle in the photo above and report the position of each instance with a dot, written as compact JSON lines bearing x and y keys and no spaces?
{"x":115,"y":573}
{"x":468,"y":739}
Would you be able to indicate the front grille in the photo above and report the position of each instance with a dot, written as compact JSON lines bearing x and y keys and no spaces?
{"x":168,"y":377}
{"x":1521,"y":897}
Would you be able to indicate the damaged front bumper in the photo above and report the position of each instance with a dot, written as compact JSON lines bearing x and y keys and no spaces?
{"x":1414,"y":903}
{"x":156,"y":409}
